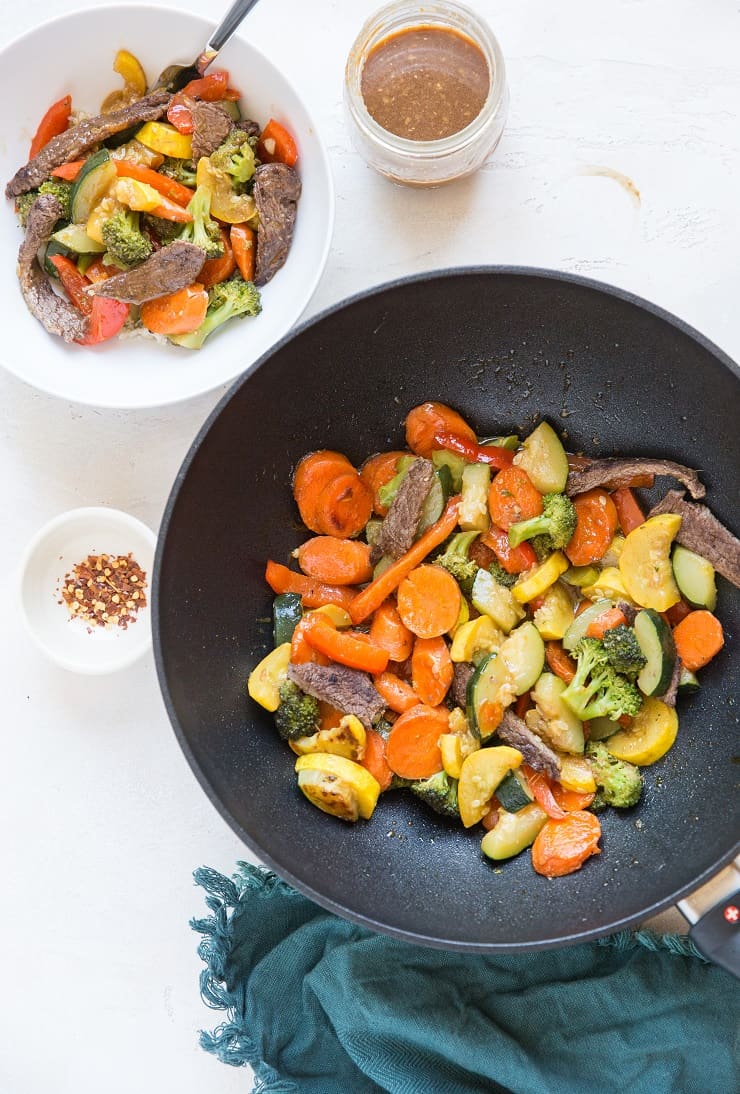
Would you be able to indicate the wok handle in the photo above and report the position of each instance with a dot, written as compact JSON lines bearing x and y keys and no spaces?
{"x":714,"y":914}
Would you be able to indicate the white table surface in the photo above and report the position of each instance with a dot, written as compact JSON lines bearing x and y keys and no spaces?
{"x":101,"y":820}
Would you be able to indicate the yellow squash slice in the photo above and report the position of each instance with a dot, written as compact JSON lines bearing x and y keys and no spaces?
{"x":651,"y":734}
{"x":330,"y":781}
{"x":645,"y":563}
{"x":481,"y":773}
{"x":265,"y":680}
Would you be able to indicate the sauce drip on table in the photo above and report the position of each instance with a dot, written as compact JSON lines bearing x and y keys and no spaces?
{"x":425,"y":83}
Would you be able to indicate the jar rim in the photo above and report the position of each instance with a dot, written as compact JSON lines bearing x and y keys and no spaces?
{"x":409,"y":15}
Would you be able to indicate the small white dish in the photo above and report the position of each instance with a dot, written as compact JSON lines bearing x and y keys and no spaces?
{"x":134,"y":372}
{"x":52,"y":553}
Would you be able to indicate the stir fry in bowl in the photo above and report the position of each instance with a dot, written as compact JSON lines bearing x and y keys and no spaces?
{"x":164,"y":213}
{"x":495,"y":626}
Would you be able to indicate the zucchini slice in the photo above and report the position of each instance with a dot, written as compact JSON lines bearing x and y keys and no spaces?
{"x":73,"y":237}
{"x":92,"y":184}
{"x":435,"y":501}
{"x":688,"y":682}
{"x":287,"y":612}
{"x":513,"y":792}
{"x":55,"y":248}
{"x":501,"y":676}
{"x":543,"y":457}
{"x":496,"y":601}
{"x":513,"y":832}
{"x":454,"y":463}
{"x":656,"y":642}
{"x":476,"y":482}
{"x":601,"y":728}
{"x":695,"y":578}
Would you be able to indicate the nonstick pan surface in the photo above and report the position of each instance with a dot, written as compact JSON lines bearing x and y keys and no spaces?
{"x":504,"y":347}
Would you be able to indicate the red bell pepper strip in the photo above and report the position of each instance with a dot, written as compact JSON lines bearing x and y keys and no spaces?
{"x":629,"y":510}
{"x":73,"y":282}
{"x":210,"y":88}
{"x":169,"y":188}
{"x":69,"y":171}
{"x":515,"y":560}
{"x":539,"y":784}
{"x":475,"y":453}
{"x":54,"y":122}
{"x":106,"y":317}
{"x":180,"y":115}
{"x":276,"y":145}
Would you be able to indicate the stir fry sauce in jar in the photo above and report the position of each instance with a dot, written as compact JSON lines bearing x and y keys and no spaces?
{"x":425,"y":83}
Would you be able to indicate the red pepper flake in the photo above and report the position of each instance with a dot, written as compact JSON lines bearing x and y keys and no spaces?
{"x":105,"y":590}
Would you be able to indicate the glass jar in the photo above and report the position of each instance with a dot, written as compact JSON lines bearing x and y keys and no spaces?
{"x":426,"y":162}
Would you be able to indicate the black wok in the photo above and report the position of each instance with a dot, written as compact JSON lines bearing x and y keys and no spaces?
{"x":503,"y":346}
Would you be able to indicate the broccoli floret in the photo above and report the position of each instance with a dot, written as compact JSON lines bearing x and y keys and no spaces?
{"x":556,"y":522}
{"x":228,"y":300}
{"x":123,"y":237}
{"x":298,"y":714}
{"x":596,"y":690}
{"x":455,"y":560}
{"x":439,"y":792}
{"x":61,"y":190}
{"x":180,"y":170}
{"x":500,"y":575}
{"x":620,"y":783}
{"x":236,"y":157}
{"x":203,"y":230}
{"x":164,"y":231}
{"x":623,"y":650}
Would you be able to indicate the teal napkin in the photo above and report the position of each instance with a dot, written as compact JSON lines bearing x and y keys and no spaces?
{"x":319,"y":1005}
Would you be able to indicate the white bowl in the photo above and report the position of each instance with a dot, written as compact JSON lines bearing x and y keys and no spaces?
{"x":52,"y":553}
{"x":139,"y":372}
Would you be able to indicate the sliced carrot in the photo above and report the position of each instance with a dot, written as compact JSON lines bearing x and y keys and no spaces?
{"x":313,"y":593}
{"x":312,"y":474}
{"x":412,"y":749}
{"x":429,"y":418}
{"x":399,"y":695}
{"x":612,"y":617}
{"x":164,"y":185}
{"x":338,"y":561}
{"x":243,"y":242}
{"x":431,"y":670}
{"x":585,"y":603}
{"x":378,"y":471}
{"x":562,"y":846}
{"x":176,"y":313}
{"x":559,"y":662}
{"x":346,"y":648}
{"x":429,"y":601}
{"x":571,"y":800}
{"x":596,"y":523}
{"x":698,"y":637}
{"x":629,"y":510}
{"x":541,"y":787}
{"x":300,"y":651}
{"x":513,"y":497}
{"x":329,"y":716}
{"x":344,"y":506}
{"x":216,"y":270}
{"x":374,"y":759}
{"x":515,"y":560}
{"x":388,"y":631}
{"x":373,"y":595}
{"x":68,"y":171}
{"x":276,"y":145}
{"x":99,"y":270}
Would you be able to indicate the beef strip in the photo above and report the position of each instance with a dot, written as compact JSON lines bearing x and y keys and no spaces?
{"x":246,"y":125}
{"x":277,"y":188}
{"x":614,"y":473}
{"x":211,"y":127}
{"x":74,"y":142}
{"x":175,"y":266}
{"x":402,"y":519}
{"x":346,"y":689}
{"x":701,"y":532}
{"x":460,"y":680}
{"x":629,"y":611}
{"x":671,"y":694}
{"x":54,"y":313}
{"x":534,"y":750}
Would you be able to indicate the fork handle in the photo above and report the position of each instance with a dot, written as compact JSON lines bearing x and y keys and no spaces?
{"x":228,"y":25}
